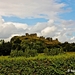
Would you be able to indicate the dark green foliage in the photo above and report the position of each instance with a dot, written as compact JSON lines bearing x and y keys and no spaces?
{"x":16,"y":44}
{"x":33,"y":44}
{"x":17,"y":41}
{"x":5,"y":48}
{"x":68,"y":47}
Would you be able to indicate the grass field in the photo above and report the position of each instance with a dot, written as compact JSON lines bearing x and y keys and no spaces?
{"x":39,"y":65}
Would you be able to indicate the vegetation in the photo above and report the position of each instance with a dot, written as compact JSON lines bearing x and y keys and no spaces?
{"x":53,"y":51}
{"x":38,"y":65}
{"x":32,"y":55}
{"x":27,"y":53}
{"x":5,"y":48}
{"x":32,"y":44}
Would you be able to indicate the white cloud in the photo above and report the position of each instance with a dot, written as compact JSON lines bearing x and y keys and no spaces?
{"x":17,"y":25}
{"x":51,"y":22}
{"x":31,"y":8}
{"x":62,"y":31}
{"x":48,"y":30}
{"x":9,"y":28}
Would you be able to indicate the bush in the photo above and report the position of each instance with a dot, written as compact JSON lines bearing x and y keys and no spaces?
{"x":56,"y":51}
{"x":16,"y":53}
{"x":27,"y":53}
{"x":53,"y":51}
{"x":30,"y":53}
{"x":46,"y":51}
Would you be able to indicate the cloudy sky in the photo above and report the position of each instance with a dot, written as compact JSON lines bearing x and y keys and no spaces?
{"x":49,"y":18}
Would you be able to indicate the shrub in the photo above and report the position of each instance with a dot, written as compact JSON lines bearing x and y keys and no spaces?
{"x":30,"y":53}
{"x":16,"y":53}
{"x":46,"y":51}
{"x":53,"y":51}
{"x":20,"y":53}
{"x":27,"y":53}
{"x":56,"y":51}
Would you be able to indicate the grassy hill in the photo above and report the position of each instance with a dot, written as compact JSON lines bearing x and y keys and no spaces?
{"x":34,"y":38}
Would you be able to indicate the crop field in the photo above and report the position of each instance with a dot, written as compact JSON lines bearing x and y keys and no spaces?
{"x":38,"y":65}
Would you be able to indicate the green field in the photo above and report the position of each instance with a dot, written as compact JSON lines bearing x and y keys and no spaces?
{"x":38,"y":65}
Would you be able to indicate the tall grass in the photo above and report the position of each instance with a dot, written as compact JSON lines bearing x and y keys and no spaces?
{"x":40,"y":56}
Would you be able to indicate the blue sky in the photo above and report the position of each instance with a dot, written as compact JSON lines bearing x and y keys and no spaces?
{"x":70,"y":4}
{"x":49,"y":18}
{"x":28,"y":21}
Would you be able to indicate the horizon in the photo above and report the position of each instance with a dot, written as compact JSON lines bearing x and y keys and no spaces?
{"x":48,"y":18}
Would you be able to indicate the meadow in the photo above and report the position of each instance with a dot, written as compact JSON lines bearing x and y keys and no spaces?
{"x":38,"y":65}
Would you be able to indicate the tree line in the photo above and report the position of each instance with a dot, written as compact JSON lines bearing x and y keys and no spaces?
{"x":29,"y":43}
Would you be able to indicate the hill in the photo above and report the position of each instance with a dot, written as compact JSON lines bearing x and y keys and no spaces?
{"x":34,"y":38}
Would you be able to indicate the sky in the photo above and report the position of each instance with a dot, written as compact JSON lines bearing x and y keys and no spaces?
{"x":48,"y":18}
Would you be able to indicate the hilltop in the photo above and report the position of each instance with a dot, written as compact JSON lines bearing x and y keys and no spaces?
{"x":34,"y":38}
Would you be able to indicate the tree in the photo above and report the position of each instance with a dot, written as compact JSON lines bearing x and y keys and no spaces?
{"x":5,"y":48}
{"x":16,"y":44}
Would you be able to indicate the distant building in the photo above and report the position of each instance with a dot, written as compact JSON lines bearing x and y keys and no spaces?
{"x":41,"y":37}
{"x":49,"y":39}
{"x":34,"y":35}
{"x":56,"y":39}
{"x":27,"y":34}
